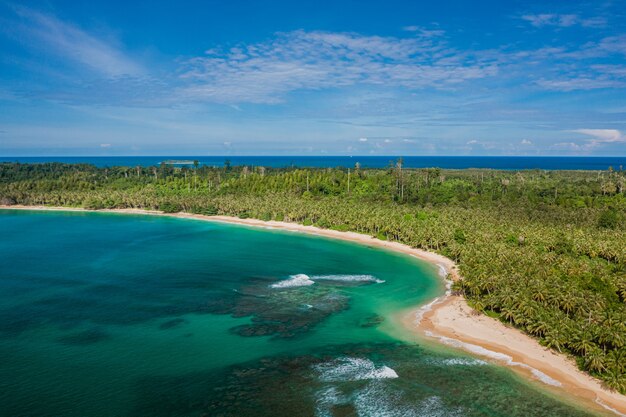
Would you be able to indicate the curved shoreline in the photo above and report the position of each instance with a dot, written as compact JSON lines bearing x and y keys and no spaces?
{"x":448,"y":319}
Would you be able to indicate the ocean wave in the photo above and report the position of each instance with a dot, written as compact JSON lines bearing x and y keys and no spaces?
{"x":459,"y":362}
{"x":353,"y":369}
{"x":500,"y":357}
{"x":443,"y":272}
{"x":299,"y":280}
{"x":376,"y":400}
{"x":348,"y":278}
{"x":609,"y":408}
{"x":326,"y":399}
{"x":419,"y":314}
{"x":303,"y":280}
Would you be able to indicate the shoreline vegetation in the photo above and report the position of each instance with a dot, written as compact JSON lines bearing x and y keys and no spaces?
{"x":448,"y":319}
{"x":539,"y":251}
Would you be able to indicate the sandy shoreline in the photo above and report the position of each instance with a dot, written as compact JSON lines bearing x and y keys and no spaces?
{"x":451,"y":321}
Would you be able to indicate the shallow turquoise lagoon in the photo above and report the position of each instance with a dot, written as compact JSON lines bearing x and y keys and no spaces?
{"x":124,"y":315}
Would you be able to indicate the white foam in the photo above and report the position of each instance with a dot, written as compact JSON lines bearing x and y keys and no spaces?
{"x":348,"y":278}
{"x":419,"y":314}
{"x":299,"y":280}
{"x":303,"y":280}
{"x":443,"y":272}
{"x":609,"y":408}
{"x":353,"y":369}
{"x":500,"y":357}
{"x":376,"y":400}
{"x":462,"y":362}
{"x":326,"y":399}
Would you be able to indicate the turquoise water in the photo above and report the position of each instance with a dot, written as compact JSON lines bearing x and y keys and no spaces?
{"x":119,"y":315}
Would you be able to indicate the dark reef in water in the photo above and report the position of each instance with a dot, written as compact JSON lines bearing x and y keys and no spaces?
{"x":281,"y":313}
{"x":371,"y":321}
{"x":170,"y":324}
{"x":391,"y":379}
{"x":87,"y":337}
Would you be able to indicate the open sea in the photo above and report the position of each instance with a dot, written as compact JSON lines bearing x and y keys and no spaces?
{"x":127,"y":315}
{"x":447,"y":162}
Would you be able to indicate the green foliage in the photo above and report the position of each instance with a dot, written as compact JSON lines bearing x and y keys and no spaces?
{"x":208,"y":210}
{"x":459,"y":236}
{"x":168,"y":207}
{"x":609,"y":219}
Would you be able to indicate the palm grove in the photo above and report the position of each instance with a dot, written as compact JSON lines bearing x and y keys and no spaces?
{"x":542,"y":250}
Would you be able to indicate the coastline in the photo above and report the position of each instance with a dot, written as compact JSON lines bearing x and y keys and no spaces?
{"x":448,"y":319}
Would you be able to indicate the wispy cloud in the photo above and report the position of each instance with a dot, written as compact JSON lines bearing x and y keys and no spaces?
{"x":266,"y":72}
{"x":429,"y":33}
{"x":599,"y":136}
{"x":563,"y":20}
{"x":577,"y":67}
{"x":51,"y":35}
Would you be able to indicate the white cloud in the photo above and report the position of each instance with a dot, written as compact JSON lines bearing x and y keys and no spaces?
{"x":69,"y":42}
{"x":362,"y":139}
{"x":566,"y":146}
{"x":105,"y":145}
{"x":563,"y":20}
{"x":424,"y":32}
{"x":580,"y":83}
{"x":266,"y":72}
{"x":472,"y":142}
{"x":602,"y":135}
{"x":526,"y":142}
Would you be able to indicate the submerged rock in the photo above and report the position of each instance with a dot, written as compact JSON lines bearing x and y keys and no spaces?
{"x":371,"y":321}
{"x":281,"y":313}
{"x":87,"y":337}
{"x":172,"y":323}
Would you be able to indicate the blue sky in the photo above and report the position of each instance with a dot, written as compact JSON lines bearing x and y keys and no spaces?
{"x":313,"y":78}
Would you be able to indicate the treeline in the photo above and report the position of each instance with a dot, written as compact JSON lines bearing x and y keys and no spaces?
{"x":542,"y":250}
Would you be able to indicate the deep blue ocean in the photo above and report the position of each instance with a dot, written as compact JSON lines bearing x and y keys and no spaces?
{"x":448,"y":162}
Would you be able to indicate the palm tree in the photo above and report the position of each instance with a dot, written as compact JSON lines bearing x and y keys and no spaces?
{"x":594,"y":360}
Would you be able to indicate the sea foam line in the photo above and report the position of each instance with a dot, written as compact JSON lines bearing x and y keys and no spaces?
{"x":302,"y":280}
{"x":299,"y":280}
{"x":501,"y":357}
{"x":353,"y":369}
{"x":348,"y":278}
{"x":419,"y":314}
{"x":479,"y":350}
{"x":609,"y":408}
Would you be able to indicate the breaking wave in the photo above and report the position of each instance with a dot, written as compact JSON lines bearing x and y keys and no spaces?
{"x":459,"y":362}
{"x":348,"y":278}
{"x":299,"y":280}
{"x":303,"y":280}
{"x":353,"y":369}
{"x":377,"y":400}
{"x":500,"y":357}
{"x":609,"y":408}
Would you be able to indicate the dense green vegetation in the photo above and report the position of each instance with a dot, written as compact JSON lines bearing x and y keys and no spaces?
{"x":543,"y":250}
